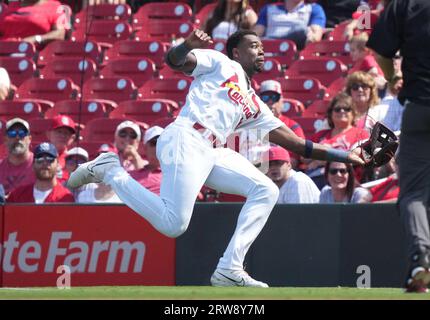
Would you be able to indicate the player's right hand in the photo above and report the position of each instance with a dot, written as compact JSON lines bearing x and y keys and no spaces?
{"x":198,"y":39}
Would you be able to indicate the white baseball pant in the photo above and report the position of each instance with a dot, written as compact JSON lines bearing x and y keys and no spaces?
{"x":188,"y":161}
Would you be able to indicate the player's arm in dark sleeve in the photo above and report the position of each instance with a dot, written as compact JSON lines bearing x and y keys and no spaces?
{"x":286,"y":138}
{"x":180,"y":58}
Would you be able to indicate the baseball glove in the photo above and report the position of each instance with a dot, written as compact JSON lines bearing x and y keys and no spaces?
{"x":380,"y":148}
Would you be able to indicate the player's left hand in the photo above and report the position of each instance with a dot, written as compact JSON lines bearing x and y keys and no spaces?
{"x":355,"y":158}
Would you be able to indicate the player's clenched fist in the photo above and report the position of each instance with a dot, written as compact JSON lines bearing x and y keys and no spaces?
{"x":198,"y":39}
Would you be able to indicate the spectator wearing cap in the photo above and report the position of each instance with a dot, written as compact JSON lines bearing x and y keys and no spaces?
{"x":62,"y":135}
{"x":75,"y":157}
{"x":294,"y":186}
{"x":16,"y":169}
{"x":127,"y":139}
{"x":342,"y":186}
{"x":271,"y":94}
{"x":150,"y":175}
{"x":46,"y":188}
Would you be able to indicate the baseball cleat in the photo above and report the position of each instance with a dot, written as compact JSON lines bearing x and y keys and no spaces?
{"x":234,"y":278}
{"x":93,"y":171}
{"x":420,"y":278}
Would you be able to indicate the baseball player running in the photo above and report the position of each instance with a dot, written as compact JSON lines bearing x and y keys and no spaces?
{"x":220,"y":100}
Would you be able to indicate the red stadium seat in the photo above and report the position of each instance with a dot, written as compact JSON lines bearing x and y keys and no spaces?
{"x":92,"y":147}
{"x":162,"y":122}
{"x":38,"y":129}
{"x":303,"y":89}
{"x":336,"y":87}
{"x":151,"y":13}
{"x":121,"y":12}
{"x":284,"y":51}
{"x":154,"y":50}
{"x":272,"y":69}
{"x":218,"y":45}
{"x":318,"y":108}
{"x":310,"y":125}
{"x":204,"y":13}
{"x":22,"y":109}
{"x":19,"y":49}
{"x":137,"y":69}
{"x":103,"y":129}
{"x":115,"y":89}
{"x":147,"y":110}
{"x":89,"y":110}
{"x":175,"y":89}
{"x":328,"y":49}
{"x":292,"y":108}
{"x":70,"y":49}
{"x":47,"y":91}
{"x":326,"y":70}
{"x":77,"y":69}
{"x":338,"y":32}
{"x":19,"y":69}
{"x":168,"y":72}
{"x":165,"y":30}
{"x":106,"y":32}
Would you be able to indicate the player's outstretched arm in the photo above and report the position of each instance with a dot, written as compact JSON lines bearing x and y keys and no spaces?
{"x":180,"y":58}
{"x":286,"y":138}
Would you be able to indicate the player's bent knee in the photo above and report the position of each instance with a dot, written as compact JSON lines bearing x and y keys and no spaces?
{"x":176,"y":231}
{"x":273,"y":192}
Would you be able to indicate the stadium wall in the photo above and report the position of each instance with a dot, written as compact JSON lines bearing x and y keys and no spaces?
{"x":301,"y":245}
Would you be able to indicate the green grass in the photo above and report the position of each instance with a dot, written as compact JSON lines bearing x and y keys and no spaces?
{"x":206,"y":293}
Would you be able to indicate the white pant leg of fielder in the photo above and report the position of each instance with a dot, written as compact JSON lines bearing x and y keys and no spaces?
{"x":234,"y":174}
{"x":186,"y":160}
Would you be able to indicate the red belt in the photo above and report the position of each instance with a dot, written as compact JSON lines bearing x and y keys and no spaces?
{"x":211,"y":137}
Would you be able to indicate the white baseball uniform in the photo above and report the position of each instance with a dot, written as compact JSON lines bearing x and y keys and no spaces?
{"x":221,"y":100}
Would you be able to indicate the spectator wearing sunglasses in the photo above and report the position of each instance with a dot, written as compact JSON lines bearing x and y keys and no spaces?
{"x":150,"y":175}
{"x":127,"y":139}
{"x":294,"y":186}
{"x":343,"y":134}
{"x":16,"y":169}
{"x":46,"y":188}
{"x":271,"y":95}
{"x":342,"y":186}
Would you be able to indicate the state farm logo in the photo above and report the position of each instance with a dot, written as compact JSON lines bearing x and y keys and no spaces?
{"x":81,"y":256}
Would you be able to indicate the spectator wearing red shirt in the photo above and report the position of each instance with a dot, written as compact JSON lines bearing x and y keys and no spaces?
{"x":387,"y":190}
{"x":150,"y":175}
{"x":271,"y":95}
{"x":16,"y":169}
{"x":127,"y":139}
{"x":46,"y":188}
{"x":35,"y":21}
{"x":62,"y":135}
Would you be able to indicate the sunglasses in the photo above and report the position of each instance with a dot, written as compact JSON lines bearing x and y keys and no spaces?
{"x":342,"y":108}
{"x":20,"y":133}
{"x":275,"y":97}
{"x":356,"y":86}
{"x":48,"y":159}
{"x":335,"y":171}
{"x":124,"y":134}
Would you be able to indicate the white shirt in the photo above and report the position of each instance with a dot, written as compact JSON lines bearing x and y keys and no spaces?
{"x":87,"y":195}
{"x":223,"y":30}
{"x":219,"y":98}
{"x":40,"y":196}
{"x":393,"y":117}
{"x":299,"y":188}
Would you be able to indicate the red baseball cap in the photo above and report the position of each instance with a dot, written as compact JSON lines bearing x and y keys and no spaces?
{"x":278,"y":153}
{"x":63,"y":121}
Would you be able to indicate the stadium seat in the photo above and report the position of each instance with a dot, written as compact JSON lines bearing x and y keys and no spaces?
{"x":328,"y":49}
{"x":338,"y":32}
{"x":77,"y":69}
{"x":38,"y":129}
{"x":137,"y":69}
{"x":326,"y":70}
{"x":336,"y":87}
{"x":19,"y":49}
{"x":310,"y":125}
{"x":174,"y":89}
{"x":103,"y":129}
{"x":152,"y":13}
{"x":167,"y":72}
{"x":105,"y":32}
{"x":303,"y":89}
{"x":218,"y":45}
{"x":292,"y":108}
{"x":204,"y":13}
{"x":22,"y":109}
{"x":318,"y":108}
{"x":19,"y":69}
{"x":272,"y":69}
{"x":162,"y":122}
{"x":115,"y":89}
{"x":47,"y":91}
{"x":154,"y":50}
{"x":106,"y":11}
{"x":147,"y":110}
{"x":165,"y":30}
{"x":284,"y":51}
{"x":70,"y":49}
{"x":92,"y":147}
{"x":89,"y":110}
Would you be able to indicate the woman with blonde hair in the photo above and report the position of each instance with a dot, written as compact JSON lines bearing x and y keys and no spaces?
{"x":229,"y":16}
